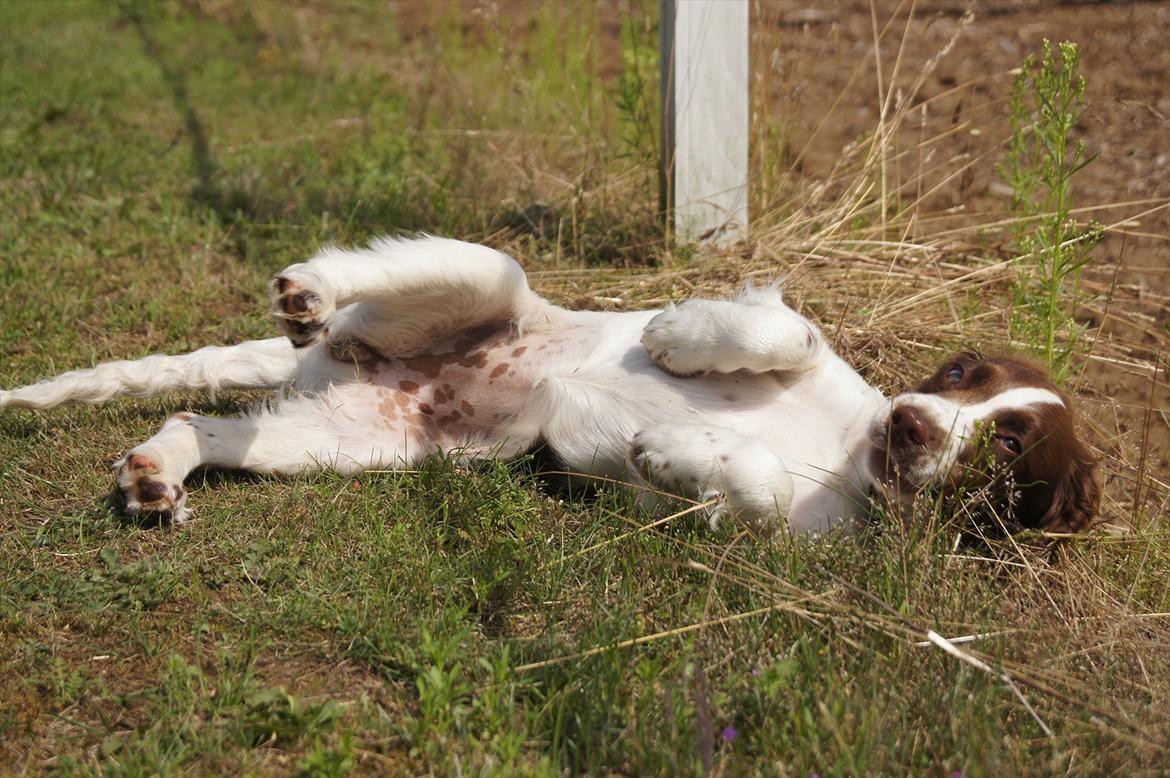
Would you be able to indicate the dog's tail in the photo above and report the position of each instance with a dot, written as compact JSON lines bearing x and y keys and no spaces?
{"x":256,"y":364}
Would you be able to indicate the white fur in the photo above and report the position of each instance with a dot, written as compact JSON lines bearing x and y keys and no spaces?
{"x":775,"y":426}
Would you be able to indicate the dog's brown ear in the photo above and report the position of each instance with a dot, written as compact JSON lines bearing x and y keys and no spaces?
{"x":1076,"y":498}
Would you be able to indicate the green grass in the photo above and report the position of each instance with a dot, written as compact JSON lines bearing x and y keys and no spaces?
{"x":157,"y":163}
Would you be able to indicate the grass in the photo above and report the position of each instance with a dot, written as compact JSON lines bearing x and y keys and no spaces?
{"x":159,"y":161}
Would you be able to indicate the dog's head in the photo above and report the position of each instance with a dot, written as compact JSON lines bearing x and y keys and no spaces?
{"x":989,"y":422}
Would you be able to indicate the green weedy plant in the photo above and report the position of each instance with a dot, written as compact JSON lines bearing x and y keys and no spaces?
{"x":1052,"y":247}
{"x":443,"y":690}
{"x":324,"y":762}
{"x":634,"y":96}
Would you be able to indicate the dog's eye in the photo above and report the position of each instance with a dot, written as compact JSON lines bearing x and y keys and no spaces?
{"x":954,"y":375}
{"x":1010,"y":443}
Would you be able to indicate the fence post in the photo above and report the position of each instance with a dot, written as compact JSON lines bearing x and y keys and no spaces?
{"x":704,"y":89}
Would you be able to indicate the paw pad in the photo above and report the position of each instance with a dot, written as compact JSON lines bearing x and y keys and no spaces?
{"x":145,"y":491}
{"x":302,"y":313}
{"x":152,"y":491}
{"x":140,"y":465}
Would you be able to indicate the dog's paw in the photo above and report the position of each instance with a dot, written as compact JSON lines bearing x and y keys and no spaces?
{"x":147,"y":489}
{"x":679,"y":342}
{"x":720,"y":336}
{"x":662,"y":459}
{"x":649,"y":460}
{"x":679,"y":460}
{"x":738,"y":475}
{"x":302,"y":304}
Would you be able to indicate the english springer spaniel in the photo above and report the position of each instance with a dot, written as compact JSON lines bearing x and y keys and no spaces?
{"x":417,"y":346}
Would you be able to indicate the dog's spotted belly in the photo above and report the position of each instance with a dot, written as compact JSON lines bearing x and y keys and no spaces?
{"x":470,"y":396}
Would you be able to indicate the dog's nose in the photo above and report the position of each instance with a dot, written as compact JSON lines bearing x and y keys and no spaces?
{"x":908,"y":427}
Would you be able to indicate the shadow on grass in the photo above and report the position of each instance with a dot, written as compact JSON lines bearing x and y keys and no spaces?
{"x":370,"y":189}
{"x":395,"y":204}
{"x":227,"y":206}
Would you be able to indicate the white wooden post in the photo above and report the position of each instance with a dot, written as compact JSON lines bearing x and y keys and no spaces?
{"x":704,"y":80}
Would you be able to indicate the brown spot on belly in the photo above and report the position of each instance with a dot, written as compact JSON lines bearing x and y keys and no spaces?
{"x":453,"y":416}
{"x":467,"y":408}
{"x":425,"y":409}
{"x":410,"y":387}
{"x":498,"y":370}
{"x":440,"y":397}
{"x":729,"y":397}
{"x":478,"y":359}
{"x":427,"y":364}
{"x":519,"y":350}
{"x":401,"y":400}
{"x":386,"y":408}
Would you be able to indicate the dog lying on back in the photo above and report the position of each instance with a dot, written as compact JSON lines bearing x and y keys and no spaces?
{"x":419,"y":346}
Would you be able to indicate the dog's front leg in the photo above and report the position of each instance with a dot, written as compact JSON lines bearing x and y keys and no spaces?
{"x":701,"y":462}
{"x":756,"y":332}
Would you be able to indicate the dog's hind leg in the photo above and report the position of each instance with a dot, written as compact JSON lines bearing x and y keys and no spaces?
{"x":257,"y":364}
{"x":398,"y":296}
{"x":301,"y":433}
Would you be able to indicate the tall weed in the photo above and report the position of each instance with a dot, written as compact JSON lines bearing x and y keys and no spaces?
{"x":1052,"y":247}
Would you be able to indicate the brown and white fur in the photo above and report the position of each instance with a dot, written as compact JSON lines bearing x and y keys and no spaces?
{"x":417,"y":346}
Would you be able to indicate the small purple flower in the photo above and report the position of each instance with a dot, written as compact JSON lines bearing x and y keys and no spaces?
{"x":757,"y":672}
{"x":957,"y":774}
{"x":729,"y":734}
{"x":814,"y":775}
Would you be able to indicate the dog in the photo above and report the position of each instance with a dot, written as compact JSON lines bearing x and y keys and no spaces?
{"x":416,"y":346}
